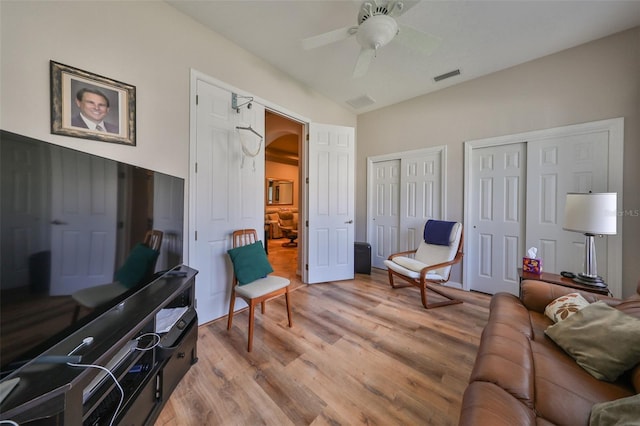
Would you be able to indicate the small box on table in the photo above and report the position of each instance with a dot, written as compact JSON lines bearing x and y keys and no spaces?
{"x":533,"y":266}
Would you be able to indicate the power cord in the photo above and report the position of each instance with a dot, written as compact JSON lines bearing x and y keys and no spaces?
{"x":156,"y":343}
{"x":8,"y":422}
{"x":106,"y":370}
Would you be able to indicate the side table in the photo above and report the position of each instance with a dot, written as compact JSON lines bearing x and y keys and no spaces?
{"x":560,"y":280}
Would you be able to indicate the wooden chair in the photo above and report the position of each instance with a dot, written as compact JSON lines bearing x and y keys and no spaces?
{"x":137,"y":269}
{"x":429,"y":264}
{"x":257,"y":291}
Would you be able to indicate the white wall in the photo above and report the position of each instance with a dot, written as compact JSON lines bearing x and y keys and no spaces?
{"x":144,"y":43}
{"x":595,"y":81}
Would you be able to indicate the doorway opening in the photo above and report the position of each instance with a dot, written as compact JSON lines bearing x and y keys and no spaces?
{"x":283,"y":145}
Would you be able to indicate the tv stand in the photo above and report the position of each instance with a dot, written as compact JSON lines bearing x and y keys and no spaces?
{"x":147,"y":365}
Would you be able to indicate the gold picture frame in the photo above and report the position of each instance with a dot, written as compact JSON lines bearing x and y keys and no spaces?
{"x":90,"y":106}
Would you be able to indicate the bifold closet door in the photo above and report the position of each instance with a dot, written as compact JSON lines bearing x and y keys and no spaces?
{"x":496,"y":229}
{"x":407,"y":191}
{"x":556,"y":166}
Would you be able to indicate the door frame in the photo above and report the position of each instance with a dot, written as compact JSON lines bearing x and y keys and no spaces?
{"x":440,"y":149}
{"x":615,"y":128}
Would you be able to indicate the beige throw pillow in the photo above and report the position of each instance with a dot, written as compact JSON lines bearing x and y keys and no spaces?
{"x":602,"y":340}
{"x":565,"y":306}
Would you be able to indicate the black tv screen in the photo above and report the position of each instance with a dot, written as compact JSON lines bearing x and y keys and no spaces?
{"x":68,"y":221}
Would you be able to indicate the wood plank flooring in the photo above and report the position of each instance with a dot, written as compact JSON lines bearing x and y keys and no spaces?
{"x":359,"y":352}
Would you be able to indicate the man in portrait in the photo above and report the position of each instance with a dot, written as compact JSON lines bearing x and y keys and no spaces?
{"x":94,"y":107}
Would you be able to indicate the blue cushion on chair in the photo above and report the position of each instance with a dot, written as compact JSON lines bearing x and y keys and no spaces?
{"x":250,"y":262}
{"x":137,"y":266}
{"x":438,"y":232}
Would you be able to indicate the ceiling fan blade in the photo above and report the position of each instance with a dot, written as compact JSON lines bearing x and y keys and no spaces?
{"x":364,"y":60}
{"x":399,"y":7}
{"x":417,"y":40}
{"x":328,"y":38}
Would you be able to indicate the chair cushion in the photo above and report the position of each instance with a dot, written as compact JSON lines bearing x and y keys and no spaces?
{"x":409,"y":263}
{"x":411,"y":273}
{"x":286,"y":219}
{"x":137,"y":266}
{"x":438,"y":232}
{"x":272,"y":217}
{"x":261,"y":286}
{"x":432,"y":254}
{"x":92,"y":297}
{"x":250,"y":262}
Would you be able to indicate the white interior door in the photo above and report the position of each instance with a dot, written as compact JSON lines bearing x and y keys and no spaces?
{"x":573,"y":163}
{"x":405,"y":190}
{"x":496,"y":228}
{"x":420,"y":197}
{"x":331,"y":203}
{"x":385,"y":211}
{"x":84,"y":211}
{"x":228,"y":192}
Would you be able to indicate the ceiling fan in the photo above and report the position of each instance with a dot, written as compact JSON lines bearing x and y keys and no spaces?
{"x":377,"y":27}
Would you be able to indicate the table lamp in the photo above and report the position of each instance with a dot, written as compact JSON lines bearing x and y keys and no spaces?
{"x":591,"y":214}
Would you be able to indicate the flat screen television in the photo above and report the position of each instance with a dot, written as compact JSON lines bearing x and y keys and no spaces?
{"x":68,"y":221}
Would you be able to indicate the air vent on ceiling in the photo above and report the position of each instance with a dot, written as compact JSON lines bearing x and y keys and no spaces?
{"x":446,"y":75}
{"x":361,"y":101}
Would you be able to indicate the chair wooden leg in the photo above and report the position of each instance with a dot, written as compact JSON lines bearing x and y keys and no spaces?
{"x":286,"y":297}
{"x":76,"y":314}
{"x":391,"y":278}
{"x":451,"y":300}
{"x":263,"y":306}
{"x":232,"y":303}
{"x":252,"y":307}
{"x":394,"y":285}
{"x":423,"y":296}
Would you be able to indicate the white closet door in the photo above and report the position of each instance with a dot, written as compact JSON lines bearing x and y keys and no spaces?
{"x":405,"y":190}
{"x":577,"y":158}
{"x":574,"y":163}
{"x":385,"y":211}
{"x":496,"y":227}
{"x":420,"y":198}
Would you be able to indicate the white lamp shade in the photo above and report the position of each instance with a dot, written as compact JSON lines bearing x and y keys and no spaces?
{"x":592,"y":213}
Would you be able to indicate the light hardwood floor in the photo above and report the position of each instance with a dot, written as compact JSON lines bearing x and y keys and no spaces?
{"x":359,"y":352}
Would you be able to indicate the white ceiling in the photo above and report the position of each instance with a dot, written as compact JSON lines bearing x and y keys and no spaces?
{"x":477,"y":37}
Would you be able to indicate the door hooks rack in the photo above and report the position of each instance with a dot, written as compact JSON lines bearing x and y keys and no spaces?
{"x":234,"y":102}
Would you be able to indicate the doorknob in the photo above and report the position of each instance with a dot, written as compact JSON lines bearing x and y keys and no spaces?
{"x":349,"y":221}
{"x":58,"y":222}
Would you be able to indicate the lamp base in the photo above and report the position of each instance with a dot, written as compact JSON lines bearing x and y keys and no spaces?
{"x":594,"y":281}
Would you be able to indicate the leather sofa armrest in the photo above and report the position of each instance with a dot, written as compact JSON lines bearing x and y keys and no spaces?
{"x":536,"y":295}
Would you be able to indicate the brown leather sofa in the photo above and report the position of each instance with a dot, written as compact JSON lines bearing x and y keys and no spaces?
{"x":521,"y":377}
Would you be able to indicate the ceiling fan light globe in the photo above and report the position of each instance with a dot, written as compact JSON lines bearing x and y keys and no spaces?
{"x":377,"y":31}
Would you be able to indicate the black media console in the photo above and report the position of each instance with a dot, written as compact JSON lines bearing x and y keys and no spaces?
{"x":51,"y":392}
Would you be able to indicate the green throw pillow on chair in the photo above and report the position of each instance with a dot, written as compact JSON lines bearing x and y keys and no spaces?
{"x":136,"y":266}
{"x":250,"y":262}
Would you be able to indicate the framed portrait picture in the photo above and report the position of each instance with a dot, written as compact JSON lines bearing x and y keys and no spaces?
{"x":90,"y":106}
